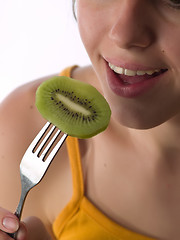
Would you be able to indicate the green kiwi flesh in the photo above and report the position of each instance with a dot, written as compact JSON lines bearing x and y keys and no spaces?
{"x":75,"y":107}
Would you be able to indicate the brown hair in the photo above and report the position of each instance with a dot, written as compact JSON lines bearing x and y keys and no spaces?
{"x":73,"y":7}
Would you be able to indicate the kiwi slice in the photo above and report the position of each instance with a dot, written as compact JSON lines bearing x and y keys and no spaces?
{"x":75,"y":107}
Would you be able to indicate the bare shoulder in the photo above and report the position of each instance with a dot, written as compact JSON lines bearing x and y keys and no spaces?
{"x":19,"y":114}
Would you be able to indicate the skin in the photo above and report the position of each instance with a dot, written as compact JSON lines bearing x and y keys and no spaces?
{"x":140,"y":147}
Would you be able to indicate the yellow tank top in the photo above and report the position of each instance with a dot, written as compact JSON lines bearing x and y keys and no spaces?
{"x":80,"y":219}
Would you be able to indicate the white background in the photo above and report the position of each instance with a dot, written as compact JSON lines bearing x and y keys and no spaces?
{"x":37,"y":38}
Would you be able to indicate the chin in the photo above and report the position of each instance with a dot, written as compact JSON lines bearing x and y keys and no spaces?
{"x":142,"y":120}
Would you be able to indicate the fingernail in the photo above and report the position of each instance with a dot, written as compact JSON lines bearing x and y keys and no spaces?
{"x":10,"y":224}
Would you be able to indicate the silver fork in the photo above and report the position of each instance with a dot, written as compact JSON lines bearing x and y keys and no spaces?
{"x":33,"y":165}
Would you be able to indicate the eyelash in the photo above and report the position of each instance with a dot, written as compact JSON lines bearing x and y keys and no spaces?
{"x":172,"y":4}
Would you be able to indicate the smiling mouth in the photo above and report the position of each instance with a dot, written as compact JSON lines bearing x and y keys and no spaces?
{"x":130,"y":83}
{"x":129,"y":76}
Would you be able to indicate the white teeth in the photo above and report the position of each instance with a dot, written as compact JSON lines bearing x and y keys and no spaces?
{"x":129,"y":72}
{"x":140,"y":73}
{"x":119,"y":70}
{"x":150,"y":72}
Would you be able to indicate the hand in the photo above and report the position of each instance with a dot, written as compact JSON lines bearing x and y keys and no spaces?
{"x":9,"y":223}
{"x":31,"y":229}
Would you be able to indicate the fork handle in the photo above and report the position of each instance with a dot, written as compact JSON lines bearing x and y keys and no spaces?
{"x":18,"y":211}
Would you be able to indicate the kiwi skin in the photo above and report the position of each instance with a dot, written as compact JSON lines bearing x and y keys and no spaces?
{"x":75,"y":107}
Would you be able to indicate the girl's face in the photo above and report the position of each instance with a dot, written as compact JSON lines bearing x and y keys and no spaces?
{"x":134,"y":46}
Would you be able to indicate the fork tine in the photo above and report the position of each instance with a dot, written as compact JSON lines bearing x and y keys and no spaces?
{"x":45,"y":139}
{"x":45,"y":151}
{"x":36,"y":140}
{"x":56,"y":149}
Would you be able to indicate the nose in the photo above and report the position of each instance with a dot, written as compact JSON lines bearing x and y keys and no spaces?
{"x":132,"y":25}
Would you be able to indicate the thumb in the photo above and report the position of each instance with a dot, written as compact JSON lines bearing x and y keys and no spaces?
{"x":8,"y":221}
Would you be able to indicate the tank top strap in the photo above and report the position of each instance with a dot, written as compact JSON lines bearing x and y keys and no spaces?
{"x":78,"y":189}
{"x":67,"y":71}
{"x":76,"y":168}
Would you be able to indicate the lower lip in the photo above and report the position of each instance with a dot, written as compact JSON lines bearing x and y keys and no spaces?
{"x":130,"y":90}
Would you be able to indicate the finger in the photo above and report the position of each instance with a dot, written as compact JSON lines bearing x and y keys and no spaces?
{"x":8,"y":221}
{"x":36,"y":229}
{"x":22,"y":232}
{"x":4,"y":236}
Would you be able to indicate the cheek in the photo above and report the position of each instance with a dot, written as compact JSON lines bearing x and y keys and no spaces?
{"x":90,"y":27}
{"x":170,"y":45}
{"x":171,"y":51}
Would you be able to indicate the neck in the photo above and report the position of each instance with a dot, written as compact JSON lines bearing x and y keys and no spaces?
{"x":162,"y":142}
{"x":167,"y":135}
